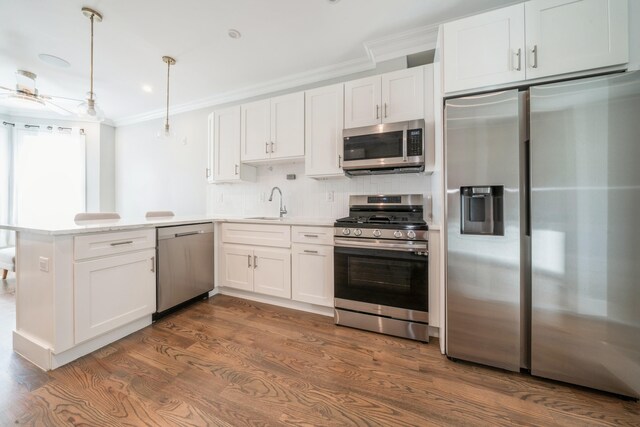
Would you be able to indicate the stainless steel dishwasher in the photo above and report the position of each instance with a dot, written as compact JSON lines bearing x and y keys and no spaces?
{"x":185,"y":265}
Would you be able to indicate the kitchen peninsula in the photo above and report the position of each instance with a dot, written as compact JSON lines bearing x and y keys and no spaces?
{"x":84,"y":285}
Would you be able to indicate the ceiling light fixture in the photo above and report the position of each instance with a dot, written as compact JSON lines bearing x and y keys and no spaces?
{"x":147,"y":88}
{"x":234,"y":34}
{"x":88,"y":108}
{"x":26,"y":95}
{"x":166,"y":131}
{"x":54,"y":60}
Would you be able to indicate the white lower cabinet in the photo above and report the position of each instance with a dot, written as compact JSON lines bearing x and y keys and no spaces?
{"x":272,"y":272}
{"x":113,"y":291}
{"x":261,"y":270}
{"x":312,"y":274}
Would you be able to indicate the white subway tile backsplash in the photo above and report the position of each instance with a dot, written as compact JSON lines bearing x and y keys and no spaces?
{"x":304,"y":196}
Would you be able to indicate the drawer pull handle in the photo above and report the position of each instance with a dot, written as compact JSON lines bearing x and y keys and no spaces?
{"x":255,"y":261}
{"x":128,"y":242}
{"x":307,"y":251}
{"x":310,"y":235}
{"x":535,"y":56}
{"x":266,"y":148}
{"x":249,"y":261}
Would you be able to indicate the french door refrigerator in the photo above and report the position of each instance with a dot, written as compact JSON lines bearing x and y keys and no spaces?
{"x":543,"y":230}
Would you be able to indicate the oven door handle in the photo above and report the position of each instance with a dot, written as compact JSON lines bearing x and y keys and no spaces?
{"x":419,"y":248}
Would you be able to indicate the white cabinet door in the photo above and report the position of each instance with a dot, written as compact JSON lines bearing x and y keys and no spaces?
{"x":565,"y":36}
{"x":403,"y":95}
{"x":99,"y":287}
{"x":324,"y":121}
{"x":224,"y":148}
{"x":236,"y":267}
{"x":272,"y":272}
{"x":485,"y":50}
{"x":226,"y":124}
{"x":312,"y":274}
{"x":362,"y":102}
{"x":287,"y":126}
{"x":256,"y":133}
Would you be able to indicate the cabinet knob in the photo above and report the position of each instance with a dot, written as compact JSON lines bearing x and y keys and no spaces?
{"x":376,"y":233}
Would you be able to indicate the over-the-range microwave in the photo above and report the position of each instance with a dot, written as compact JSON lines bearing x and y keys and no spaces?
{"x":384,"y":148}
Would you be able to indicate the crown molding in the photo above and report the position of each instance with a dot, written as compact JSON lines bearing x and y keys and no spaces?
{"x":378,"y":50}
{"x":402,"y":44}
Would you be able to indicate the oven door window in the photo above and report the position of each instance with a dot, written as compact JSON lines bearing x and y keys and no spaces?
{"x":383,"y":277}
{"x":376,"y":146}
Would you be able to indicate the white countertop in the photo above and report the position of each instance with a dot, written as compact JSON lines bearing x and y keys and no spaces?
{"x":71,"y":227}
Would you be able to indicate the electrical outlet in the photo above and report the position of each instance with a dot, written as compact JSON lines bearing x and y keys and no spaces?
{"x":329,"y":197}
{"x":44,"y":264}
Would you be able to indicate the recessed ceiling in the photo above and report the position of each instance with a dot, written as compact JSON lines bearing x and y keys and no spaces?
{"x":279,"y":38}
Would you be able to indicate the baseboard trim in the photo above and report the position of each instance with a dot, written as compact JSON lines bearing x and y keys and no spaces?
{"x":267,"y":299}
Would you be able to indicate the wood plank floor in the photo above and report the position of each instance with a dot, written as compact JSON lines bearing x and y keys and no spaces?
{"x":231,"y":362}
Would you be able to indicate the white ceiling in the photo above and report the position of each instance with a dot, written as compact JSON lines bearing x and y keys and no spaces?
{"x":280,"y":38}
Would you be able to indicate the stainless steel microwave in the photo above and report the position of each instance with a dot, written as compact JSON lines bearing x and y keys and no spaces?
{"x":384,"y":148}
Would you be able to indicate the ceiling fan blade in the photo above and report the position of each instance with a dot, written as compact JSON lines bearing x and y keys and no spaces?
{"x":57,"y":108}
{"x":47,"y":97}
{"x":6,"y":88}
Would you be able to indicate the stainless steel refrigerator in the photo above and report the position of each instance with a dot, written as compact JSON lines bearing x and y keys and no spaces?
{"x":543,"y":230}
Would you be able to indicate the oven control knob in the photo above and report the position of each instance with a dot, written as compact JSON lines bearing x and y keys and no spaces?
{"x":397,"y":234}
{"x":411,"y":234}
{"x":376,"y":233}
{"x":346,"y":231}
{"x":357,"y":232}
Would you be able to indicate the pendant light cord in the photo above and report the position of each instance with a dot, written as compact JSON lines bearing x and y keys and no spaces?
{"x":166,"y":123}
{"x":91,"y":90}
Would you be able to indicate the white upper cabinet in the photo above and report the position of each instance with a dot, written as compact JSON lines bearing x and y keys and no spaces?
{"x":391,"y":97}
{"x":484,"y":50}
{"x":565,"y":36}
{"x":532,"y":40}
{"x":224,"y":148}
{"x":403,"y":95}
{"x":362,"y":102}
{"x":324,"y":120}
{"x":273,"y":128}
{"x":256,"y":130}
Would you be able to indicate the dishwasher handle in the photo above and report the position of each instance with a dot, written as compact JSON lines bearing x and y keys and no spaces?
{"x":190,"y":233}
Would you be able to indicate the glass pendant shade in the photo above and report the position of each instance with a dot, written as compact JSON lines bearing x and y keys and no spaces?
{"x":165,"y":132}
{"x":88,"y":109}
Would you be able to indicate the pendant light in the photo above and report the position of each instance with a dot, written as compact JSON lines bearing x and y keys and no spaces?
{"x":88,"y":108}
{"x":166,"y":131}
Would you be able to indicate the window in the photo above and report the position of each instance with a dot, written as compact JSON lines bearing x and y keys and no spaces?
{"x":49,"y":176}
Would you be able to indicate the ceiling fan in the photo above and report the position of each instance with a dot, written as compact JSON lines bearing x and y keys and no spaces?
{"x":26,"y":95}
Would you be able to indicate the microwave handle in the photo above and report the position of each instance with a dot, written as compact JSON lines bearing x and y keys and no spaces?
{"x":404,"y":145}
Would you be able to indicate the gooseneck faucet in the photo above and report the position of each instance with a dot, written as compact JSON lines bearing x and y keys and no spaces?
{"x":283,"y":210}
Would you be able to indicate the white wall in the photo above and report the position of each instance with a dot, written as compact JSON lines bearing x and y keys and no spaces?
{"x":153,"y":174}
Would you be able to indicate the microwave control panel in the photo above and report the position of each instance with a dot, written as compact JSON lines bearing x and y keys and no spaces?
{"x":414,"y":142}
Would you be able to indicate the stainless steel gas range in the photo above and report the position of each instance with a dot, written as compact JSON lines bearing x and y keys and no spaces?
{"x":381,"y":266}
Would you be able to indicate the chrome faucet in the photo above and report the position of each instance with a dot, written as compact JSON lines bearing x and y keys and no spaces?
{"x":283,"y":210}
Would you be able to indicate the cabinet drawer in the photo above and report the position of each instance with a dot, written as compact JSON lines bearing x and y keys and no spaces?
{"x":111,"y":243}
{"x":257,"y":234}
{"x":312,"y":235}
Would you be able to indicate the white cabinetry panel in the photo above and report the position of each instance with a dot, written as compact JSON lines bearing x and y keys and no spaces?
{"x":403,"y":95}
{"x":112,"y":291}
{"x":236,"y":267}
{"x":362,"y":102}
{"x":324,"y":122}
{"x":312,"y":274}
{"x":485,"y":50}
{"x":272,"y":272}
{"x":565,"y":36}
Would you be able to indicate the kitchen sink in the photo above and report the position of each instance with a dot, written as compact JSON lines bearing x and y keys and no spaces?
{"x":266,"y":218}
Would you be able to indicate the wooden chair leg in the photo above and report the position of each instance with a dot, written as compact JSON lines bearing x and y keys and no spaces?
{"x":4,"y":273}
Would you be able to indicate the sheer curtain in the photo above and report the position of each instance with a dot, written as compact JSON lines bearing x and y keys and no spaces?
{"x":49,"y":178}
{"x":7,"y":238}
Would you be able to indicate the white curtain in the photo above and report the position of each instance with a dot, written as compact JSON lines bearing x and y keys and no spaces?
{"x":7,"y":238}
{"x":49,"y":179}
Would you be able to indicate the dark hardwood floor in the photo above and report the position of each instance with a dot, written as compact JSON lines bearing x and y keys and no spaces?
{"x":230,"y":362}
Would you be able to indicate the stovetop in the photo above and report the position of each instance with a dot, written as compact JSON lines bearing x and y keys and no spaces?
{"x":381,"y":221}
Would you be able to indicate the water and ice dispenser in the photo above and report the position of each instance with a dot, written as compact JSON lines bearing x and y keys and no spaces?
{"x":482,"y":210}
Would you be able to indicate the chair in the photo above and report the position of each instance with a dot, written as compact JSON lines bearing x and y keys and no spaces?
{"x":93,"y":216}
{"x":7,"y":260}
{"x":155,"y":214}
